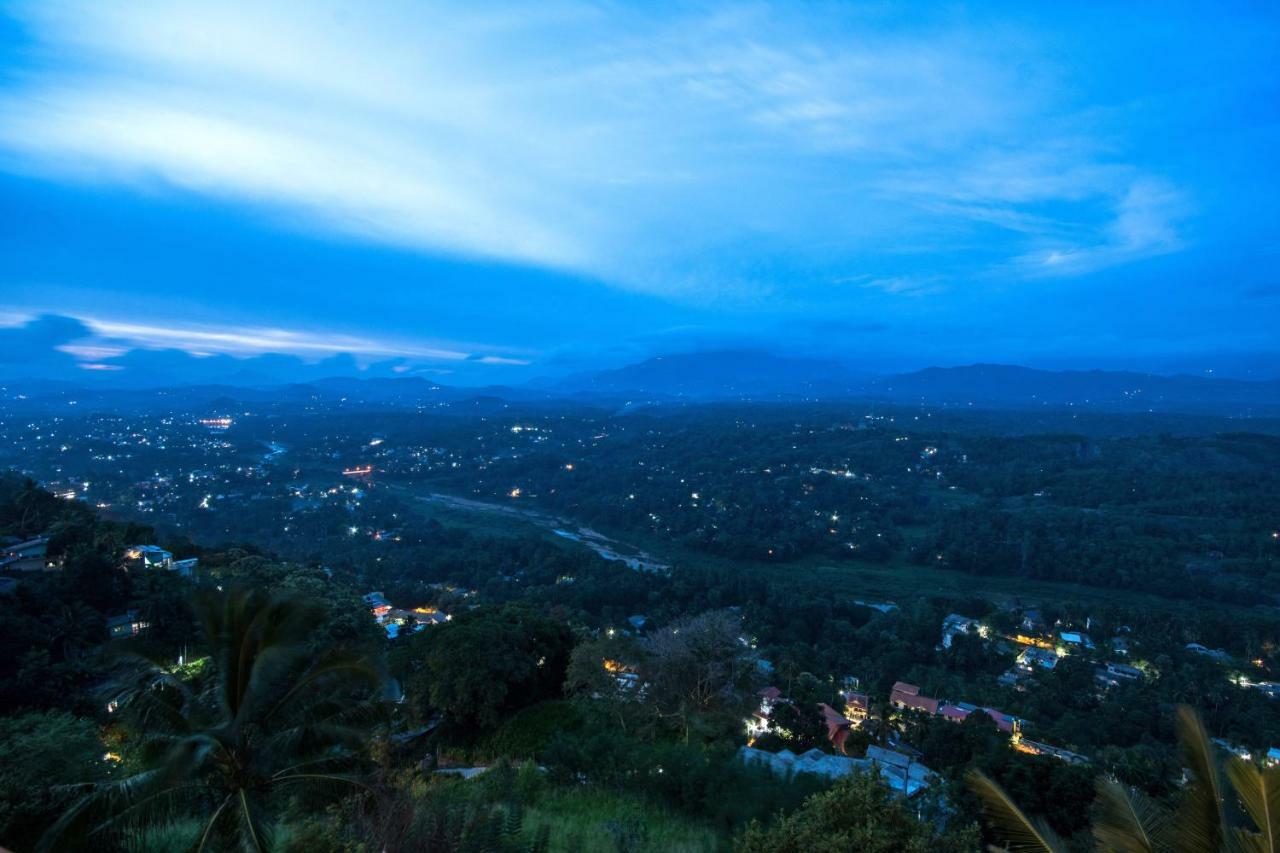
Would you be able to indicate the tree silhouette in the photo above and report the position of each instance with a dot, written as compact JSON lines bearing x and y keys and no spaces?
{"x":269,"y":712}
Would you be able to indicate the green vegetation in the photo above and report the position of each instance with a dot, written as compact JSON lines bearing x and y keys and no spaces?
{"x":40,"y":754}
{"x":604,"y":820}
{"x":1238,"y":809}
{"x":593,"y":706}
{"x":225,"y":747}
{"x":858,"y":813}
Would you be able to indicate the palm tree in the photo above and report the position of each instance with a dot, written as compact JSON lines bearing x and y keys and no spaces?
{"x":889,"y":721}
{"x":1127,"y":821}
{"x":273,"y":712}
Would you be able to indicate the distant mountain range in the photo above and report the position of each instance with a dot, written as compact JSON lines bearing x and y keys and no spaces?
{"x":727,"y":375}
{"x":1007,"y":385}
{"x":740,"y":374}
{"x":750,"y":375}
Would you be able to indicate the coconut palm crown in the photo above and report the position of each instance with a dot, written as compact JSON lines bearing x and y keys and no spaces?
{"x":221,"y":749}
{"x":1127,"y":821}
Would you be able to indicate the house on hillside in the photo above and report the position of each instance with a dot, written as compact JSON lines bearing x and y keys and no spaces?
{"x":1271,"y":689}
{"x":126,"y":625}
{"x":902,"y":773}
{"x":956,"y":624}
{"x":857,"y":706}
{"x":958,"y":712}
{"x":1112,"y":674}
{"x":1075,"y":638}
{"x":147,"y":557}
{"x":1220,"y":655}
{"x":838,"y":726}
{"x":31,"y":555}
{"x":908,"y":697}
{"x":423,"y":618}
{"x":1033,"y":658}
{"x":378,"y":604}
{"x":786,"y":763}
{"x":758,"y":722}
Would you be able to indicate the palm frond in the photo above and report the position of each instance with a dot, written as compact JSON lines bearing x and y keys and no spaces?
{"x":272,"y":715}
{"x":344,"y":669}
{"x":1020,"y":833}
{"x":257,"y":831}
{"x":1200,"y":820}
{"x":323,"y":779}
{"x":1259,"y":792}
{"x":152,"y":797}
{"x":1127,"y":821}
{"x":212,"y":823}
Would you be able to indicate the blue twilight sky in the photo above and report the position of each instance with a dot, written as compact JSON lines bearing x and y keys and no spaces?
{"x":491,"y":192}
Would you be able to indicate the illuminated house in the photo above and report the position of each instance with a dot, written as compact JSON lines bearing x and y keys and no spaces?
{"x":378,"y":604}
{"x":624,"y":675}
{"x":838,"y":725}
{"x":907,"y":697}
{"x":28,"y":556}
{"x":423,"y":616}
{"x":758,"y":723}
{"x":148,"y":557}
{"x":1033,"y":657}
{"x":1075,"y":638}
{"x":857,"y":706}
{"x":957,"y":624}
{"x":126,"y":625}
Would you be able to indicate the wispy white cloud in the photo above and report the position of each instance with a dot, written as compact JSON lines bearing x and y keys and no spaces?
{"x":98,"y":339}
{"x":677,"y":154}
{"x":259,"y":340}
{"x":1144,"y":224}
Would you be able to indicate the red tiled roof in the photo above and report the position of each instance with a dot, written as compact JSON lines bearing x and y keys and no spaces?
{"x":905,"y":688}
{"x":832,"y":716}
{"x":914,"y":701}
{"x":770,"y":693}
{"x":857,"y":700}
{"x":1003,"y":721}
{"x":837,"y":725}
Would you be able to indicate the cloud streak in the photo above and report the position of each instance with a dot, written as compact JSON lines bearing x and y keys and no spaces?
{"x":91,"y":339}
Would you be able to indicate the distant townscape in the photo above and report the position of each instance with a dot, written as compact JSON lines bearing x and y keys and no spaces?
{"x":709,"y":617}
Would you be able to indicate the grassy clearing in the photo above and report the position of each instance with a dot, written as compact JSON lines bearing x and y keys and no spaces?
{"x":899,"y":581}
{"x":589,"y":819}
